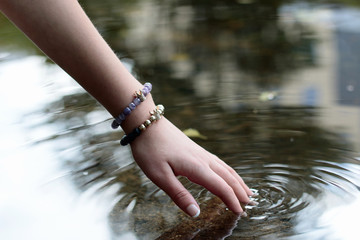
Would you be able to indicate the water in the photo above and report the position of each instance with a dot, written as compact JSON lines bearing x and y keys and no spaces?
{"x":273,"y":87}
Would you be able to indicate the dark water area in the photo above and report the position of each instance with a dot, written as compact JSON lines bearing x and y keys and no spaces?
{"x":272,"y":88}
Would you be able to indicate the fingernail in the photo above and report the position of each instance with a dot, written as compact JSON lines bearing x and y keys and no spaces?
{"x":253,"y":203}
{"x":254,"y":194}
{"x":193,"y":210}
{"x":243,"y":214}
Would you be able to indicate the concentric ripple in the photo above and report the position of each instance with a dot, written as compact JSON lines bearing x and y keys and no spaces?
{"x":292,"y":201}
{"x":288,"y":194}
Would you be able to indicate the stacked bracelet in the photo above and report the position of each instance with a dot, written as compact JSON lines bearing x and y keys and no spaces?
{"x":155,"y":116}
{"x":140,"y":96}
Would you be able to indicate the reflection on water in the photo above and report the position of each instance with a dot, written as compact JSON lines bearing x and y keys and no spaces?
{"x":271,"y":85}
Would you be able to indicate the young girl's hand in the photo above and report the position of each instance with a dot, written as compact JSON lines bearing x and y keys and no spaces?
{"x":164,"y":152}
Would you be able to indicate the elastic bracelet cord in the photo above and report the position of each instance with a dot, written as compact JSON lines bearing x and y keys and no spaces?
{"x":140,"y":96}
{"x":155,"y":116}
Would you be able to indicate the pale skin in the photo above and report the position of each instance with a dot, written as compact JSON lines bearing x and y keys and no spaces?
{"x":61,"y":29}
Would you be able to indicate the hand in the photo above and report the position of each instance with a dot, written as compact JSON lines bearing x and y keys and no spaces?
{"x":164,"y":152}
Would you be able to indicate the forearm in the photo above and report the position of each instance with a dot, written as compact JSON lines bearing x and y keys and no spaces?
{"x":61,"y":29}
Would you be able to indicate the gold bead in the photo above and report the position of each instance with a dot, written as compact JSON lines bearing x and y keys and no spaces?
{"x":140,"y":95}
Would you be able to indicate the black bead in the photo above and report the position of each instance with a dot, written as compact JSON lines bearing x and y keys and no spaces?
{"x":126,"y":139}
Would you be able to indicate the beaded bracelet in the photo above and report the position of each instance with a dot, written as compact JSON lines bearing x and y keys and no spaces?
{"x":155,"y":116}
{"x":140,"y":96}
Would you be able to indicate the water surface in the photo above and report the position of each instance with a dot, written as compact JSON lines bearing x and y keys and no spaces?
{"x":272,"y":85}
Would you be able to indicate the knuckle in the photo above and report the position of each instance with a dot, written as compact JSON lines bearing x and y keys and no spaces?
{"x":215,"y":157}
{"x":229,"y":190}
{"x":225,"y":192}
{"x":232,"y":171}
{"x":179,"y":195}
{"x":233,"y":182}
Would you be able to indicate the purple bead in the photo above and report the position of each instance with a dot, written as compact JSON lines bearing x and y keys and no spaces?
{"x":137,"y":101}
{"x":118,"y":120}
{"x":127,"y":111}
{"x":132,"y":106}
{"x":145,"y":91}
{"x":122,"y":117}
{"x":148,"y":86}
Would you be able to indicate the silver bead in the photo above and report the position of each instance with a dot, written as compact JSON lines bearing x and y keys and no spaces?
{"x":147,"y":123}
{"x":160,"y":107}
{"x":142,"y":127}
{"x":152,"y":118}
{"x":157,"y":116}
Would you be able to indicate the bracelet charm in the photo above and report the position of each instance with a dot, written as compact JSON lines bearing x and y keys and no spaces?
{"x":155,"y":116}
{"x":139,"y":97}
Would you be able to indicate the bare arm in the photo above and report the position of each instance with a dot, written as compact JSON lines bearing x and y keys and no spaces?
{"x":62,"y":30}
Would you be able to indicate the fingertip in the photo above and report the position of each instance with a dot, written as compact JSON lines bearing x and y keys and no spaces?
{"x":249,"y":192}
{"x":181,"y":196}
{"x":239,"y":213}
{"x":254,"y":194}
{"x":253,"y":203}
{"x":243,"y":197}
{"x":236,"y":208}
{"x":193,"y":210}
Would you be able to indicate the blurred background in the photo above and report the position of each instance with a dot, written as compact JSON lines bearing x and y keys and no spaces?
{"x":271,"y":87}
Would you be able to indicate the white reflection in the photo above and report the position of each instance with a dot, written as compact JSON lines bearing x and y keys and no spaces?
{"x":343,"y":220}
{"x":329,"y":217}
{"x":35,"y":201}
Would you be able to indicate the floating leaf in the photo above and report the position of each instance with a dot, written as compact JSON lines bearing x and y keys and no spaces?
{"x":193,"y":133}
{"x":267,"y":96}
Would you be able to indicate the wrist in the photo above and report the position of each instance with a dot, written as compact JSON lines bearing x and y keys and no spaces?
{"x":139,"y":115}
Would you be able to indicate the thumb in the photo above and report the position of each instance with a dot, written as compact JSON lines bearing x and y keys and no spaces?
{"x":178,"y":193}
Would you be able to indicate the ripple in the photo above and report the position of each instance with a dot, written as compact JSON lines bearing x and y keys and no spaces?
{"x":287,"y":193}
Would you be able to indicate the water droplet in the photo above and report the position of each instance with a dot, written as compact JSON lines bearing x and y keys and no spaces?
{"x":350,"y":88}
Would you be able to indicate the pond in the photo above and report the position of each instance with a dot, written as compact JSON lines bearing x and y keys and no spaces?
{"x":271,"y":87}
